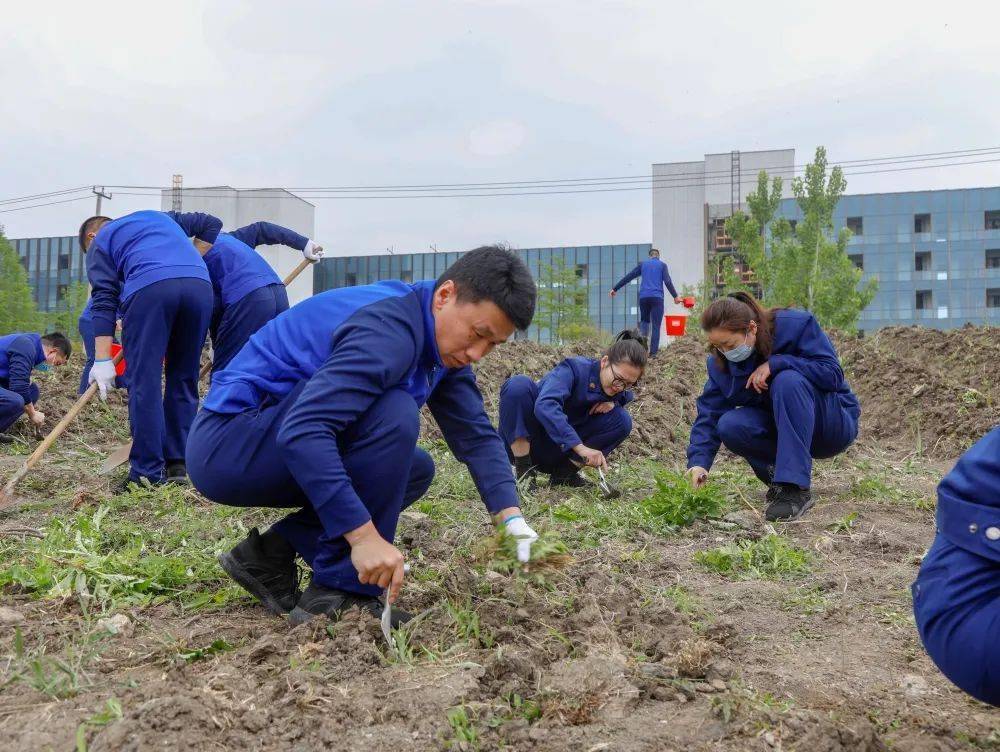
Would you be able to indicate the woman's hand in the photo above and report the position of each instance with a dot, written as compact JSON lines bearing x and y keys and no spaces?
{"x":758,"y":379}
{"x":698,"y":476}
{"x":600,"y":408}
{"x":591,"y":457}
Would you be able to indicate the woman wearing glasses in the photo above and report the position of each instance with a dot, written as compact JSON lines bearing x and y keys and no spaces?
{"x":575,"y":415}
{"x":775,"y":395}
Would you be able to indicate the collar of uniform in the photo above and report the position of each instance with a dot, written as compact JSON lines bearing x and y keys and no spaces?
{"x":430,"y":355}
{"x":594,"y":379}
{"x":39,"y":350}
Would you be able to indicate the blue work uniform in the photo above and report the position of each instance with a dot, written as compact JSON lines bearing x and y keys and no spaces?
{"x":85,"y":325}
{"x":655,"y":275}
{"x":19,"y":354}
{"x":808,"y":410}
{"x":320,"y":412}
{"x":145,"y":265}
{"x":956,"y":597}
{"x":248,"y":293}
{"x":554,"y":414}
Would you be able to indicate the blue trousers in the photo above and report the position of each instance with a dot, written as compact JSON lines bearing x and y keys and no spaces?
{"x":12,"y":404}
{"x":956,"y":602}
{"x":232,"y":326}
{"x":803,"y":423}
{"x":604,"y":432}
{"x":86,"y":327}
{"x":650,"y":321}
{"x":167,"y":319}
{"x":236,"y":460}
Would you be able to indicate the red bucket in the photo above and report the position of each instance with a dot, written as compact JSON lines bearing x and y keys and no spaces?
{"x":115,"y":349}
{"x":676,"y":325}
{"x":688,"y":302}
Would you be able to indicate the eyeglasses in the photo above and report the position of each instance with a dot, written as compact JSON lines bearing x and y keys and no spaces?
{"x":619,"y":382}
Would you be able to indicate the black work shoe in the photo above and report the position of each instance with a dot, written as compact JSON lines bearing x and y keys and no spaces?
{"x":177,"y":473}
{"x":319,"y":599}
{"x":789,"y":503}
{"x":124,"y":485}
{"x":264,"y":566}
{"x":571,"y":480}
{"x":772,"y":493}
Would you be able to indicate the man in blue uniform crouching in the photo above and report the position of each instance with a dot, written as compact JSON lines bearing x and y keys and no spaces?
{"x":319,"y":413}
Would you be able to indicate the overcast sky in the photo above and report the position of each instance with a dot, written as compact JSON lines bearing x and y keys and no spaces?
{"x":299,"y":94}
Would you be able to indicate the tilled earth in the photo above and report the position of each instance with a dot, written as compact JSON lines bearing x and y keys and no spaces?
{"x":628,"y":644}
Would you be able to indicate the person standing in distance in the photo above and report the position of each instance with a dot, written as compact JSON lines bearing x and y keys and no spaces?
{"x":655,"y":275}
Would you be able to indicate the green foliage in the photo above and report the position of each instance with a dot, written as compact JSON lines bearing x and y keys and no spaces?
{"x":463,"y":731}
{"x":806,"y":267}
{"x":112,"y":712}
{"x":467,"y":626}
{"x":562,"y":306}
{"x":772,"y":557}
{"x":548,"y":553}
{"x":67,"y":316}
{"x":17,"y":306}
{"x":845,"y":524}
{"x":196,"y":654}
{"x":676,"y":502}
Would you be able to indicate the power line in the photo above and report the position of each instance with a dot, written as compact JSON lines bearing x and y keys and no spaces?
{"x":49,"y":203}
{"x":37,"y":196}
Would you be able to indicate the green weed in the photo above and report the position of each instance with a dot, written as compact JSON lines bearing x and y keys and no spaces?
{"x":217,"y":646}
{"x":682,"y":599}
{"x":548,"y":554}
{"x":467,"y":626}
{"x":57,"y":676}
{"x":676,"y":502}
{"x":771,"y":557}
{"x":845,"y":524}
{"x":112,"y":712}
{"x":462,"y":729}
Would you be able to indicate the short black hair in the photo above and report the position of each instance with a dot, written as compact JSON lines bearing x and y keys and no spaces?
{"x":89,"y":225}
{"x":496,"y":274}
{"x":59,"y":341}
{"x":654,"y":250}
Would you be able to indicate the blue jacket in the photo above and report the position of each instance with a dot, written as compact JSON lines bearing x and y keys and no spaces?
{"x":87,"y":314}
{"x":236,"y":269}
{"x":969,"y":499}
{"x":354,"y":344}
{"x":19,"y":353}
{"x":654,"y":275}
{"x":139,"y":249}
{"x":565,"y":396}
{"x":799,"y":344}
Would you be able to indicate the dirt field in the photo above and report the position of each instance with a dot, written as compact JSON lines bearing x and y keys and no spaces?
{"x":634,"y":631}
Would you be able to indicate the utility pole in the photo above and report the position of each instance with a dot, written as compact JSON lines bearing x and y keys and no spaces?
{"x":178,"y":186}
{"x":100,"y":194}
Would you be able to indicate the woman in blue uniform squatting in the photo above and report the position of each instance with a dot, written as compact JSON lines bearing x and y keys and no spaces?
{"x":575,"y":415}
{"x":775,"y":395}
{"x":956,"y":597}
{"x":248,"y":293}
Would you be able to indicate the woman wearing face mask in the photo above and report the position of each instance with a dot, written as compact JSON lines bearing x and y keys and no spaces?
{"x":775,"y":395}
{"x":575,"y":415}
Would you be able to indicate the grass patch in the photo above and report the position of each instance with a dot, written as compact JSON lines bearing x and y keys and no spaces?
{"x":773,"y":557}
{"x":549,"y":554}
{"x":463,"y":730}
{"x":677,"y":503}
{"x":877,"y":488}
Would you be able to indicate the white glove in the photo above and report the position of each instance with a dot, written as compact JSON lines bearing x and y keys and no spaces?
{"x":312,"y":251}
{"x":517,"y":527}
{"x":103,"y":372}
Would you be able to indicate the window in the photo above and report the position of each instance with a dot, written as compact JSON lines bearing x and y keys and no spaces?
{"x":921,"y":222}
{"x":993,"y":219}
{"x":406,"y":276}
{"x":993,"y":258}
{"x":858,"y":260}
{"x":925,"y":300}
{"x":64,"y":262}
{"x":61,"y":292}
{"x":856,"y":225}
{"x":581,"y":271}
{"x":922,"y":261}
{"x":993,"y":297}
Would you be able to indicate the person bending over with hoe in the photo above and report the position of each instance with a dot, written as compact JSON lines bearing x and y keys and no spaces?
{"x":19,"y":354}
{"x":575,"y":415}
{"x":248,"y":293}
{"x":654,"y":275}
{"x":144,"y":265}
{"x":319,"y":413}
{"x":956,"y":597}
{"x":775,"y":395}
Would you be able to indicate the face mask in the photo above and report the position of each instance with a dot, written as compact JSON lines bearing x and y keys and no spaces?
{"x":739,"y":353}
{"x":43,"y":367}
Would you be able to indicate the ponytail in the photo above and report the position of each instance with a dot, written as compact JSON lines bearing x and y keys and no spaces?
{"x":734,"y":313}
{"x":629,"y":346}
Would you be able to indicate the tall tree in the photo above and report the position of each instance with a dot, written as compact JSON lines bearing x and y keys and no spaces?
{"x":18,"y":312}
{"x":70,"y":307}
{"x":562,"y":303}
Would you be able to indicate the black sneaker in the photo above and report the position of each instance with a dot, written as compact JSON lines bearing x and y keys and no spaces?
{"x":177,"y":473}
{"x":124,"y":485}
{"x":788,"y":503}
{"x":772,"y":493}
{"x":319,"y":599}
{"x":264,"y":566}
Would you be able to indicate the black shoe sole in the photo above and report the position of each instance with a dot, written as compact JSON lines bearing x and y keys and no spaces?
{"x":231,"y":565}
{"x":805,"y":508}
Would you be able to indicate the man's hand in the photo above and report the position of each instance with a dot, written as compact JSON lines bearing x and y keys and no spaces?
{"x":698,"y":476}
{"x":602,"y":407}
{"x":591,"y":457}
{"x":613,"y":293}
{"x":677,"y":300}
{"x":515,"y":526}
{"x":378,"y":562}
{"x":312,"y":251}
{"x":103,"y":372}
{"x":37,"y":417}
{"x":758,"y":379}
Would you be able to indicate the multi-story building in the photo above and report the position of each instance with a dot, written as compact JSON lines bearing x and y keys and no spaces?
{"x":936,"y":254}
{"x":53,"y":264}
{"x":598,"y":266}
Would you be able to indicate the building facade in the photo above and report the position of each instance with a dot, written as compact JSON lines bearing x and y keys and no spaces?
{"x":598,"y":267}
{"x":53,"y":264}
{"x":935,"y":254}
